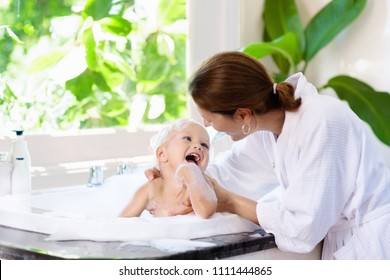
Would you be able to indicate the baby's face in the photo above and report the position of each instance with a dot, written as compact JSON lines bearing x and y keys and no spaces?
{"x":191,"y":144}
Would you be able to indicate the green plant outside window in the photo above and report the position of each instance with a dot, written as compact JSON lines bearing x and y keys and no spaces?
{"x":78,"y":64}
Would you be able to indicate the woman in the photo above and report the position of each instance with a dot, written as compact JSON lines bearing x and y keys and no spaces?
{"x":336,"y":186}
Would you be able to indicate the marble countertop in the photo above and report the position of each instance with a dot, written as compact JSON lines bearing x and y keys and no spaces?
{"x":20,"y":244}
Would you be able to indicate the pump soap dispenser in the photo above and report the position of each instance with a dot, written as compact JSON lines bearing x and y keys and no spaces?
{"x":20,"y":158}
{"x":19,"y":150}
{"x":21,"y":180}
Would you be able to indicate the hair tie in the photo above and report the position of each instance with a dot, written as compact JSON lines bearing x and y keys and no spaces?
{"x":274,"y":87}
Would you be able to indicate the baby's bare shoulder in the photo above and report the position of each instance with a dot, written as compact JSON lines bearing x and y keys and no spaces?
{"x":154,"y":187}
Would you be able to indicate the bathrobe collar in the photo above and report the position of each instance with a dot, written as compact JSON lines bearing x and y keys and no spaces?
{"x":299,"y":82}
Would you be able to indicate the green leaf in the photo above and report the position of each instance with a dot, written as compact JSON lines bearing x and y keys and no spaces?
{"x":47,"y":60}
{"x":170,"y":11}
{"x":287,"y":46}
{"x":112,"y":75}
{"x":115,"y":107}
{"x":89,"y":41}
{"x":281,"y":17}
{"x":154,"y":66}
{"x":98,"y":9}
{"x":100,"y":82}
{"x":81,"y":86}
{"x":370,"y":105}
{"x":328,"y":23}
{"x":116,"y":25}
{"x":11,"y":34}
{"x":166,"y":47}
{"x":7,"y":97}
{"x":119,"y":65}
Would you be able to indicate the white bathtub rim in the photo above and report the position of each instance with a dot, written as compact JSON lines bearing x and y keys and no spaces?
{"x":116,"y":228}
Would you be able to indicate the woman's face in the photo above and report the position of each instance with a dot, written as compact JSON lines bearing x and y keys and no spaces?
{"x":219,"y":122}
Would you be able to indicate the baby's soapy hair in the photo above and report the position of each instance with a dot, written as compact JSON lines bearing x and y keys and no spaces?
{"x":163,"y":136}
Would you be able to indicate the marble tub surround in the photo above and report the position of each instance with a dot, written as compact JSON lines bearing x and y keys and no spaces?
{"x":20,"y":244}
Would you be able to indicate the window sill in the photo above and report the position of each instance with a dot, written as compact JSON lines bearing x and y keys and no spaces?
{"x":65,"y":159}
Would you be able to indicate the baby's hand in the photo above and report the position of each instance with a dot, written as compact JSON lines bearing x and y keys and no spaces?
{"x":189,"y":173}
{"x":152,"y":173}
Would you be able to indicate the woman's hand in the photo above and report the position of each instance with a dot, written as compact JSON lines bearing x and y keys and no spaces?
{"x":222,"y":195}
{"x":234,"y":203}
{"x":152,"y":173}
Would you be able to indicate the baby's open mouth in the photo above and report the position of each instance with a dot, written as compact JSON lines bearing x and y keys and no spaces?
{"x":195,"y":158}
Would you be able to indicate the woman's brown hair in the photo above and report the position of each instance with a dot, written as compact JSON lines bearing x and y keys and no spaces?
{"x":231,"y":80}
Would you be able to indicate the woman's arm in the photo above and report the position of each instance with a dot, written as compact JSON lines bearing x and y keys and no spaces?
{"x":232,"y":202}
{"x":202,"y":195}
{"x":137,"y":203}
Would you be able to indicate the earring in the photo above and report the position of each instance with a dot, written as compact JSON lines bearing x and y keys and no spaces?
{"x":246,"y":128}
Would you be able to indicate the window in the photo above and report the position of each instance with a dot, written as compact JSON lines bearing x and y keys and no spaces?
{"x":62,"y":158}
{"x":78,"y":64}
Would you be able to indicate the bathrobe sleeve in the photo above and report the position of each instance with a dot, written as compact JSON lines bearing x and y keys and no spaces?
{"x":320,"y":154}
{"x":246,"y":168}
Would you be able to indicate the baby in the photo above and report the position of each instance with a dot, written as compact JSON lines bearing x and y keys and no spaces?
{"x":182,"y":153}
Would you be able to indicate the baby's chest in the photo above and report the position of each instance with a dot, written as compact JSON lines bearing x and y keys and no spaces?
{"x":161,"y":207}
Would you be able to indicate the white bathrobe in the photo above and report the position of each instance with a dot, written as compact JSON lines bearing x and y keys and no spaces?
{"x":336,"y":184}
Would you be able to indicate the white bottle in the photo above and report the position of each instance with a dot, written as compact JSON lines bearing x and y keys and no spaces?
{"x":19,"y":150}
{"x":5,"y":174}
{"x":21,"y":180}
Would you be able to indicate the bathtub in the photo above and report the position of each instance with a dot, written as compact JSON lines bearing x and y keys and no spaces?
{"x":80,"y":214}
{"x":84,"y":213}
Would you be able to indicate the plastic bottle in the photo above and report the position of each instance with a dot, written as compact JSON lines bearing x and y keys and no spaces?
{"x":20,"y":150}
{"x":5,"y":174}
{"x":21,"y":180}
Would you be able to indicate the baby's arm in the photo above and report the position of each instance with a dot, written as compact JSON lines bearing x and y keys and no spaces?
{"x":202,"y":195}
{"x":137,"y":203}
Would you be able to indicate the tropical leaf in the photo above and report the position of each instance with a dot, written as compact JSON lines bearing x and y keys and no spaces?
{"x":281,"y":17}
{"x":328,"y":23}
{"x":370,"y":105}
{"x":287,"y":46}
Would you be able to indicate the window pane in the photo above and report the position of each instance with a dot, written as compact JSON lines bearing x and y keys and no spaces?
{"x":77,"y":64}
